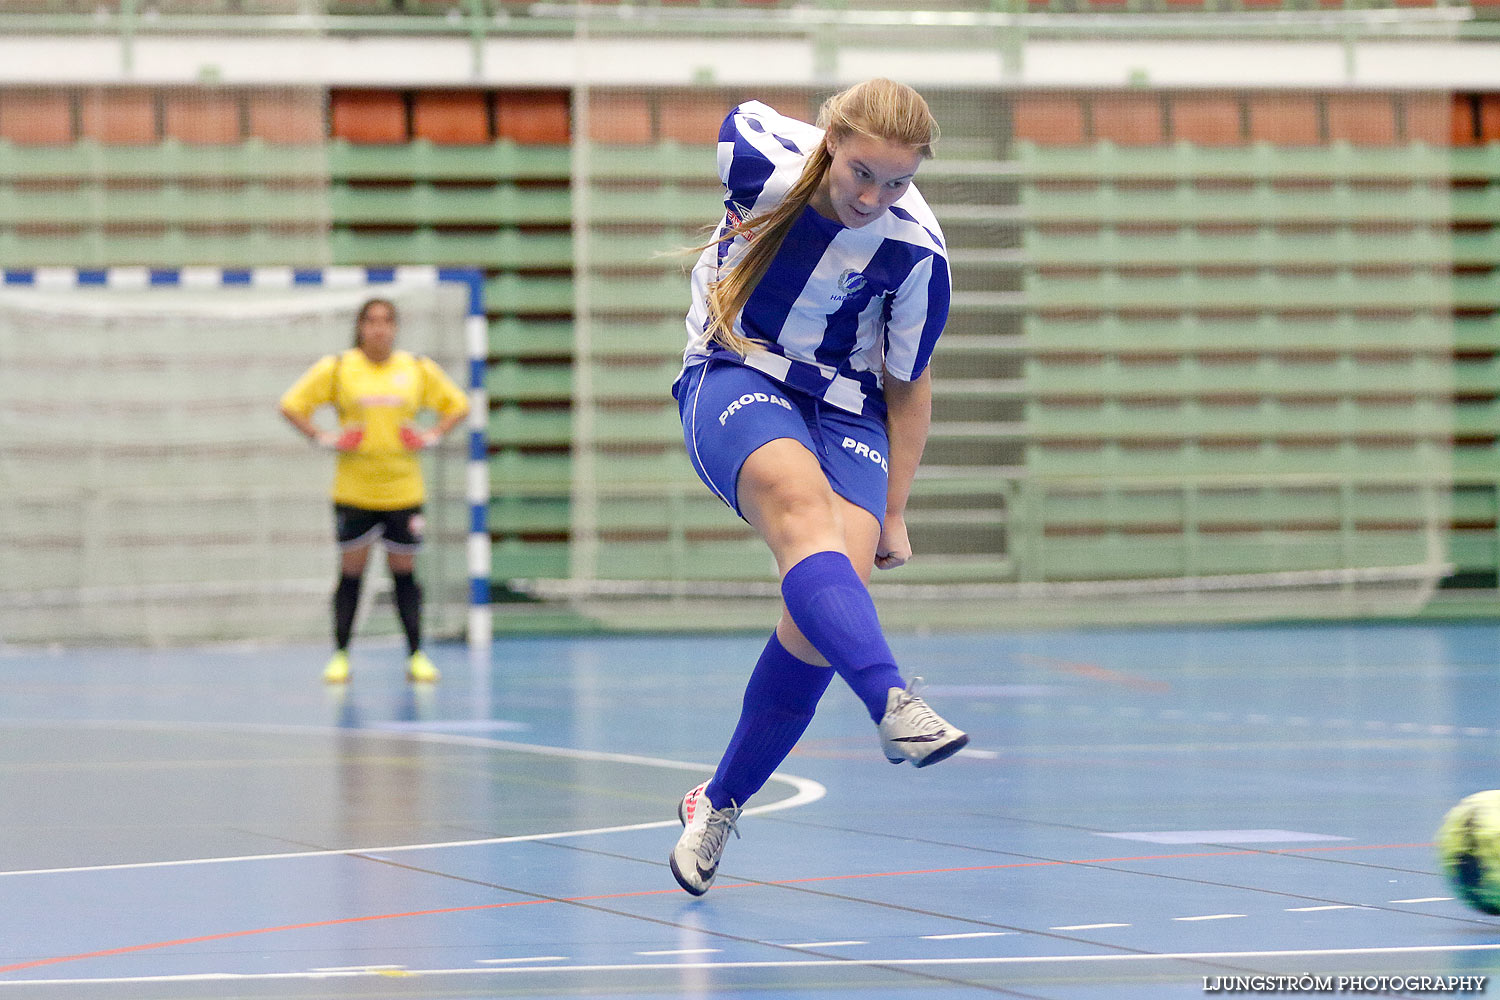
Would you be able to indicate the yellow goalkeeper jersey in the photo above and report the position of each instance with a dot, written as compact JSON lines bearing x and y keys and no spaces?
{"x":382,"y":473}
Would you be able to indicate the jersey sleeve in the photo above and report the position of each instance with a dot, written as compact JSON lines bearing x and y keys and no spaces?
{"x":919,"y":311}
{"x":754,"y":142}
{"x":440,"y":393}
{"x":312,"y":390}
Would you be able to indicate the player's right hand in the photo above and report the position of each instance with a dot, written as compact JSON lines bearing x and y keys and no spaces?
{"x":347,"y":439}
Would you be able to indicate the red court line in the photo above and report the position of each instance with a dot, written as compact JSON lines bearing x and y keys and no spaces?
{"x":342,"y":921}
{"x":1079,"y":861}
{"x":227,"y":935}
{"x":1094,"y":671}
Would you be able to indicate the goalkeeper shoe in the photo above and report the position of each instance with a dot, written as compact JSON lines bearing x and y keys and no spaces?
{"x":911,"y":731}
{"x":705,"y":831}
{"x":337,"y":671}
{"x":419,"y":669}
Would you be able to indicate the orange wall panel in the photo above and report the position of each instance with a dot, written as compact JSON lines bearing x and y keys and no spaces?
{"x":1207,"y":119}
{"x":203,"y":118}
{"x":1051,"y":119}
{"x":36,"y":117}
{"x":1489,"y":118}
{"x":120,"y":117}
{"x":1465,"y":124}
{"x":1362,"y":119}
{"x":368,"y":117}
{"x":1285,"y":119}
{"x":451,"y":117}
{"x":694,"y":120}
{"x":620,"y":119}
{"x":540,"y":117}
{"x":1427,"y":118}
{"x":287,"y":118}
{"x":1128,"y":119}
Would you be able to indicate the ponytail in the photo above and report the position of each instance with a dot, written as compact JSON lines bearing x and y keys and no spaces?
{"x":879,"y":109}
{"x":764,"y":235}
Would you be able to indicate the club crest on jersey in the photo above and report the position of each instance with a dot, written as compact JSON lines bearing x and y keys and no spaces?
{"x":735,"y":216}
{"x":849,"y":284}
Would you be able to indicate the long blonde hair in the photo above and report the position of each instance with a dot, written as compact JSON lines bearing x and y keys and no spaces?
{"x":878,"y":109}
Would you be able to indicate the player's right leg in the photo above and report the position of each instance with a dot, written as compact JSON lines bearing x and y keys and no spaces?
{"x":705,"y":830}
{"x":778,"y":705}
{"x":356,"y":530}
{"x":728,"y":413}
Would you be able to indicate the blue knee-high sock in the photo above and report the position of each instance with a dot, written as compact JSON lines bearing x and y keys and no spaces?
{"x":780,"y":699}
{"x":832,"y":608}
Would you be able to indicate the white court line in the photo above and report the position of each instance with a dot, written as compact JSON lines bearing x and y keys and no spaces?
{"x":1320,"y":909}
{"x":825,"y":944}
{"x":806,"y":791}
{"x":681,"y":951}
{"x":1213,"y":916}
{"x":1424,"y":899}
{"x":961,"y":937}
{"x":814,"y":963}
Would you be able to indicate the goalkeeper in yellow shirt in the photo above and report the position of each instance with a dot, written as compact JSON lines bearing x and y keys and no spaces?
{"x":378,"y":491}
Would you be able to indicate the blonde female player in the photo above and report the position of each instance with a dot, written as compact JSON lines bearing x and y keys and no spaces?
{"x":805,"y":398}
{"x":377,"y":485}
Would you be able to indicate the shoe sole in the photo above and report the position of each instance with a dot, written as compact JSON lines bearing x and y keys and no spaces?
{"x":944,"y":752}
{"x":687,"y":887}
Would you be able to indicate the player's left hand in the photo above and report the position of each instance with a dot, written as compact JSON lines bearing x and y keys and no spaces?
{"x":893,"y":549}
{"x":416,"y":440}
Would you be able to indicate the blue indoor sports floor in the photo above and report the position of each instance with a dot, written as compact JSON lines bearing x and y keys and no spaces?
{"x":1141,"y":813}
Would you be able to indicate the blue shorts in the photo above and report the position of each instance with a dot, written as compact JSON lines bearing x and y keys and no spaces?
{"x":729,"y":410}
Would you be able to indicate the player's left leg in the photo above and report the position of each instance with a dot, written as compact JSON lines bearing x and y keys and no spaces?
{"x":829,"y":616}
{"x":403,"y":540}
{"x":824,"y":544}
{"x":787,"y":683}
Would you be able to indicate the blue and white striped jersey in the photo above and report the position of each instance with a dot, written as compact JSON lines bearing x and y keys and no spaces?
{"x":838,"y":308}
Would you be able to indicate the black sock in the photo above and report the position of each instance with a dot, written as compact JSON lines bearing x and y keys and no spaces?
{"x":409,"y":606}
{"x":345,"y":603}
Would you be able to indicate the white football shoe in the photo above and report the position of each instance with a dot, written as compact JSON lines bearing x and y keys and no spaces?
{"x":911,"y":731}
{"x":705,"y":831}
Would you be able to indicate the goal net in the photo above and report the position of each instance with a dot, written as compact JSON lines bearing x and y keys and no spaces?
{"x":153,"y":493}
